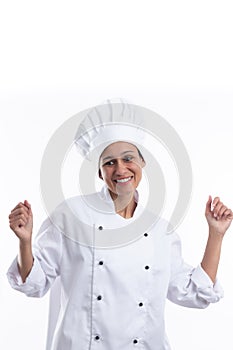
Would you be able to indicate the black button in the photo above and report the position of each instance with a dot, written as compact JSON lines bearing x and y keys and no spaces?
{"x":145,"y":234}
{"x":101,"y":262}
{"x":147,"y":267}
{"x":99,"y":297}
{"x":97,"y":337}
{"x":100,"y":228}
{"x":140,"y":304}
{"x":135,"y":341}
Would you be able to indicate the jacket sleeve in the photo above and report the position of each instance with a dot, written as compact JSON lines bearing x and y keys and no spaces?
{"x":188,"y":286}
{"x":47,"y":252}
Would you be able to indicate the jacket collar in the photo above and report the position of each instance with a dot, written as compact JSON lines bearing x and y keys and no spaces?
{"x":105,"y":196}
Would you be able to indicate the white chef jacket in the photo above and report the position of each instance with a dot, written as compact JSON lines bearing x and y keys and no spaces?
{"x":111,"y":299}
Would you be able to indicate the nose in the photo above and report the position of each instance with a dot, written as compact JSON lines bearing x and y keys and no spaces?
{"x":120,"y":167}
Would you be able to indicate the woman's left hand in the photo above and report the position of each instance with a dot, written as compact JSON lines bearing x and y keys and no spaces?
{"x":218,"y":216}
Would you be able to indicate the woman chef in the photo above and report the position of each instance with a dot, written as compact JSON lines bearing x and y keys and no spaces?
{"x":112,"y":281}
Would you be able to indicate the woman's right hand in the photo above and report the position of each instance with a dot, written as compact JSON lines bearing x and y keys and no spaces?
{"x":21,"y":221}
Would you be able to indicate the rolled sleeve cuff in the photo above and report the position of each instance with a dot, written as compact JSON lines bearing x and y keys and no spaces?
{"x":34,"y":281}
{"x":207,"y":290}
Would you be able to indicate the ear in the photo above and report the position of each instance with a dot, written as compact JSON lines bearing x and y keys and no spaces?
{"x":143,"y":162}
{"x":100,"y":175}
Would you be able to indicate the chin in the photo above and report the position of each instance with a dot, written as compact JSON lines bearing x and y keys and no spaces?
{"x":125,"y":192}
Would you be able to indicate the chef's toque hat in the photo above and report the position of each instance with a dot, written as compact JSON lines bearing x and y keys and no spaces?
{"x":108,"y":123}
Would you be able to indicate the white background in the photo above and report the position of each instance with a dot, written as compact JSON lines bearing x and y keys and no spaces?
{"x":174,"y":57}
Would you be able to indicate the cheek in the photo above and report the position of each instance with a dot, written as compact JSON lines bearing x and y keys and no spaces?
{"x":139,"y":175}
{"x":106,"y":175}
{"x":137,"y":168}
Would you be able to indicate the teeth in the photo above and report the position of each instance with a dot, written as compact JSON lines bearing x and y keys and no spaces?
{"x":124,"y":180}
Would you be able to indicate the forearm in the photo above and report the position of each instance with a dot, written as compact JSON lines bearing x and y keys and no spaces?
{"x":211,"y":256}
{"x":25,"y":259}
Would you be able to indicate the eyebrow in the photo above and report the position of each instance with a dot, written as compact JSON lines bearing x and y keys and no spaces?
{"x":112,"y":157}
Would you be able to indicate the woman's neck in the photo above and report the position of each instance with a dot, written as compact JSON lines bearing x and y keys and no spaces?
{"x":125,"y":205}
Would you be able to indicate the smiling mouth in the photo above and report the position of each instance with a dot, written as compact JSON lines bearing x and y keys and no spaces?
{"x":126,"y":179}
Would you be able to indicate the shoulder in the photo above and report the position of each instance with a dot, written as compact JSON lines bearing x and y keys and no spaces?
{"x":76,"y":202}
{"x":162,"y":229}
{"x":70,"y":210}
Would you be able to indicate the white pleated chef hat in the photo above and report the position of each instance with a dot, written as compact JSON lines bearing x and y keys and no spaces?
{"x":108,"y":123}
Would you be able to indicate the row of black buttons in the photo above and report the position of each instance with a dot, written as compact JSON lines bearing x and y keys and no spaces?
{"x":146,"y":267}
{"x":101,"y":228}
{"x":99,"y":297}
{"x":97,"y":337}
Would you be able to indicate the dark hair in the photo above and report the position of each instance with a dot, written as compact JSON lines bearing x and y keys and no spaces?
{"x":140,"y":155}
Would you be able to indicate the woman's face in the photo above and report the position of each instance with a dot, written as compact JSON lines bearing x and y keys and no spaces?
{"x":121,"y":168}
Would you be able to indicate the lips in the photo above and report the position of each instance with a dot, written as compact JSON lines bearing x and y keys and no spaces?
{"x":124,"y":180}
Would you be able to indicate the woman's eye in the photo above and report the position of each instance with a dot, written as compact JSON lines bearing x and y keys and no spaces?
{"x":128,"y":159}
{"x":111,"y":162}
